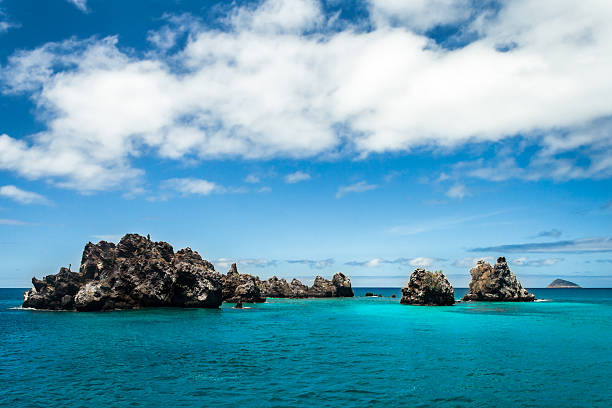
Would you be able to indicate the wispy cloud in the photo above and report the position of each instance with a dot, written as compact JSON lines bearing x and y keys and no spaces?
{"x":252,"y":179}
{"x":522,"y":261}
{"x":187,"y":186}
{"x":296,"y":177}
{"x":7,"y":221}
{"x":22,"y":196}
{"x":553,"y":233}
{"x":469,"y":262}
{"x":414,"y":262}
{"x":314,"y":264}
{"x":438,"y":224}
{"x":108,"y":237}
{"x":225,"y":263}
{"x":459,"y":191}
{"x":577,"y":246}
{"x":359,"y":187}
{"x":80,"y":4}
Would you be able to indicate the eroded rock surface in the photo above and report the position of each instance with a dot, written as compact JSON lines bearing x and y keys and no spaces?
{"x":241,"y":287}
{"x":496,"y":284}
{"x":135,"y":273}
{"x":339,"y":286}
{"x":280,"y":288}
{"x":428,"y":288}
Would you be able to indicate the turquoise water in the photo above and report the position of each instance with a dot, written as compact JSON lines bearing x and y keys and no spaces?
{"x":314,"y":353}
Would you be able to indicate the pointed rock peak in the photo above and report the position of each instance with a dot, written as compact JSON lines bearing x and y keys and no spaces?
{"x":501,"y":259}
{"x":233,"y":270}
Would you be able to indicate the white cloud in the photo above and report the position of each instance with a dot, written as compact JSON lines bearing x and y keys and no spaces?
{"x":359,"y":187}
{"x":296,"y":177}
{"x":522,"y":261}
{"x":458,"y":191}
{"x":225,"y":263}
{"x":22,"y":196}
{"x":422,"y":262}
{"x":252,"y":179}
{"x":80,"y":4}
{"x":108,"y":237}
{"x":188,"y":186}
{"x":7,"y":221}
{"x":376,"y":262}
{"x":419,"y":14}
{"x":470,"y":262}
{"x":313,"y":263}
{"x":277,"y":84}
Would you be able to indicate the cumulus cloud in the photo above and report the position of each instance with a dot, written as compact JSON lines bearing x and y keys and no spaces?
{"x":313,"y":263}
{"x":576,"y":246}
{"x":522,"y":261}
{"x":276,"y":83}
{"x":359,"y":187}
{"x":296,"y":177}
{"x":22,"y":196}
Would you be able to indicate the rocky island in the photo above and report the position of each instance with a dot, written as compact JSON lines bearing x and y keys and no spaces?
{"x":496,"y":284}
{"x":138,"y":272}
{"x":562,"y":284}
{"x":428,"y":288}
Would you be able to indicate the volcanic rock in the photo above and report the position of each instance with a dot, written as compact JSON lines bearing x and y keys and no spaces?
{"x":298,"y":289}
{"x":339,"y":286}
{"x":428,"y":288}
{"x":241,"y":287}
{"x":135,"y":273}
{"x":496,"y":284}
{"x":562,"y":283}
{"x":280,"y":288}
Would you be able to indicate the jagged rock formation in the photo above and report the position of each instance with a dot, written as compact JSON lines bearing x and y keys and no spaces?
{"x":339,"y":286}
{"x":243,"y":287}
{"x":428,"y":288}
{"x":562,"y":283}
{"x":135,"y":273}
{"x":496,"y":284}
{"x":280,"y":288}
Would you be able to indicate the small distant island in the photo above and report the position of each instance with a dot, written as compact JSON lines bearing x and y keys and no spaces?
{"x":562,"y":283}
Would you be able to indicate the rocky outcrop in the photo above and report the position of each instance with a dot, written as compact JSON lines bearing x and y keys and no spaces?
{"x":562,"y":284}
{"x":280,"y":288}
{"x":496,"y":284}
{"x":135,"y":273}
{"x":339,"y":286}
{"x":428,"y":288}
{"x":243,"y":287}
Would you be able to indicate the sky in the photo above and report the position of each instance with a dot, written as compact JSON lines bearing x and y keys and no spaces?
{"x":305,"y":137}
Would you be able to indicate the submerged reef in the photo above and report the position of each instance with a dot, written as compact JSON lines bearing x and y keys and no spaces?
{"x":496,"y":284}
{"x":428,"y":288}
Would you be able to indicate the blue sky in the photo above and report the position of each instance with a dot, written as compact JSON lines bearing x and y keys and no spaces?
{"x":305,"y":137}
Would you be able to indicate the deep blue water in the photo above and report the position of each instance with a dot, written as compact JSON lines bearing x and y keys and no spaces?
{"x":314,"y":353}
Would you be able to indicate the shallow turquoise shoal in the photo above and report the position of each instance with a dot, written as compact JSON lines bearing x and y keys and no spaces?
{"x":314,"y":353}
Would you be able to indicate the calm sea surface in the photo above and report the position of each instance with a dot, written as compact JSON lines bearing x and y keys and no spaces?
{"x":314,"y":353}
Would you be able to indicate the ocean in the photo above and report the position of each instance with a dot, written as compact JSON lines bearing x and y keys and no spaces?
{"x":314,"y":353}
